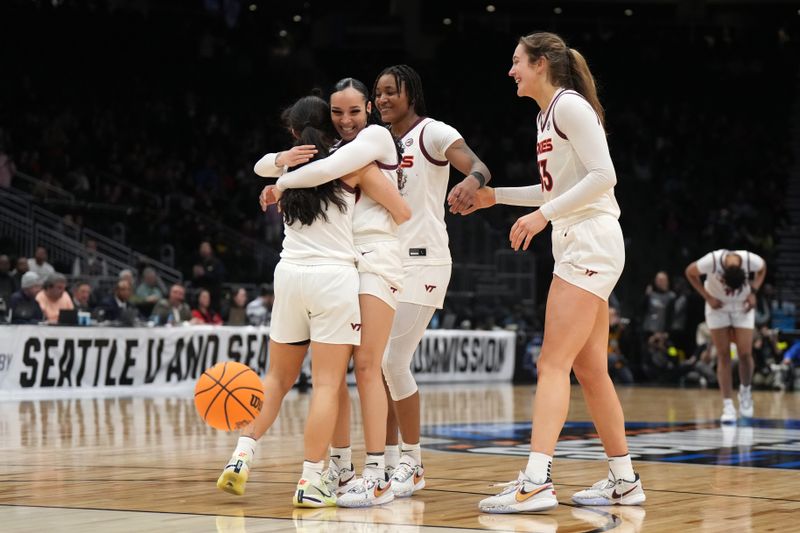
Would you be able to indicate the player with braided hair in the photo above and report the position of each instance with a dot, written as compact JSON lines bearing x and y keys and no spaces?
{"x":430,"y":147}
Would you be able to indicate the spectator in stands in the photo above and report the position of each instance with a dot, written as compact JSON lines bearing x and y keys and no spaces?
{"x":679,"y":328}
{"x":118,"y":304}
{"x":82,"y":297}
{"x":127,"y":275}
{"x":149,"y":290}
{"x":236,"y":312}
{"x":259,"y":311}
{"x":24,"y":307}
{"x":213,"y":272}
{"x":172,"y":310}
{"x":90,"y":265}
{"x":658,"y":306}
{"x":8,"y":284}
{"x":19,"y":271}
{"x":7,"y":169}
{"x":54,"y":297}
{"x":38,"y":263}
{"x":618,"y":367}
{"x":204,"y":313}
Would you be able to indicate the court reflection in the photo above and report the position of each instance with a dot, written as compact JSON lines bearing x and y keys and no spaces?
{"x":533,"y":523}
{"x":402,"y":515}
{"x":619,"y":518}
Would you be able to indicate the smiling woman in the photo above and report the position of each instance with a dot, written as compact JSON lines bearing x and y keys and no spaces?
{"x":576,"y":194}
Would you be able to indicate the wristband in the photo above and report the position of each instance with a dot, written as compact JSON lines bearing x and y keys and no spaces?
{"x":481,"y":179}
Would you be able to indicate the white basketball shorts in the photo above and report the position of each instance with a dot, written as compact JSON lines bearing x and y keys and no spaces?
{"x":380,"y":270}
{"x":728,"y":317}
{"x":590,"y":254}
{"x":425,"y":284}
{"x":316,"y":302}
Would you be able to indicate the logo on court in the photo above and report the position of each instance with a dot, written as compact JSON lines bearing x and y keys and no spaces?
{"x":765,"y":443}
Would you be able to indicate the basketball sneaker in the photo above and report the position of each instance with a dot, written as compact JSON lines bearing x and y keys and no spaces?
{"x":612,"y":492}
{"x":728,"y":413}
{"x":408,"y":478}
{"x":746,"y":403}
{"x":521,"y":495}
{"x":367,"y":492}
{"x":313,"y":494}
{"x":234,"y":476}
{"x":338,"y":480}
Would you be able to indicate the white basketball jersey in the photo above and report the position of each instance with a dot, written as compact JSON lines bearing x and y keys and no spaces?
{"x":560,"y":168}
{"x":426,"y":172}
{"x":323,"y":242}
{"x":712,"y":266}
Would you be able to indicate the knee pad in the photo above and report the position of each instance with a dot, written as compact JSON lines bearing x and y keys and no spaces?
{"x":407,"y":330}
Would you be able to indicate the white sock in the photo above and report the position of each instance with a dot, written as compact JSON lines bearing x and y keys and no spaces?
{"x":313,"y":471}
{"x":374,"y":466}
{"x":727,"y":402}
{"x":245,"y":449}
{"x":539,"y":466}
{"x":391,"y":455}
{"x":413,"y":450}
{"x":342,"y":457}
{"x":744,"y":389}
{"x":621,"y":467}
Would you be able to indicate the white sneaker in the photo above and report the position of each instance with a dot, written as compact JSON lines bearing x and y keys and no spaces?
{"x":522,"y":495}
{"x":338,"y":480}
{"x":408,"y":478}
{"x":746,"y":404}
{"x":367,"y":492}
{"x":234,"y":476}
{"x":728,"y":413}
{"x":612,"y":492}
{"x":313,"y":494}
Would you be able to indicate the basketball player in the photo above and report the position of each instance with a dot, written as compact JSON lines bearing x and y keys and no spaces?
{"x":730,"y":315}
{"x":430,"y":147}
{"x":576,"y":195}
{"x":316,"y":303}
{"x":380,"y":279}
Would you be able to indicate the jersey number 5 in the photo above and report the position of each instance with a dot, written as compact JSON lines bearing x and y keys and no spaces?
{"x":547,"y":179}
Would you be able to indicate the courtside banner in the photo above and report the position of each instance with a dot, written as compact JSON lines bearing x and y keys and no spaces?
{"x":90,"y":360}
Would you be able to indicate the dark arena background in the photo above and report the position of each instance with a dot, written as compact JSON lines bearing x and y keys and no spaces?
{"x":128,"y":134}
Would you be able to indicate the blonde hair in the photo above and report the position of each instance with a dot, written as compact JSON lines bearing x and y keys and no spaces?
{"x":567,"y":66}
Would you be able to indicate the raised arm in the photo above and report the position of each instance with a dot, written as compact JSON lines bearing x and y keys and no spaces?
{"x":376,"y":186}
{"x":578,"y":121}
{"x":369,"y":145}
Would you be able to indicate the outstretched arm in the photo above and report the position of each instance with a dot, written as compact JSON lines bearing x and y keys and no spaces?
{"x":477,"y":174}
{"x":376,"y":186}
{"x":368,"y":146}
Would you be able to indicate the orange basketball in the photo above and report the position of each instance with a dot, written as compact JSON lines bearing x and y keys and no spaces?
{"x":228,"y":396}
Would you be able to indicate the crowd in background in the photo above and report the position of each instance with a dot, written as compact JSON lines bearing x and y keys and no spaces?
{"x":163,"y":141}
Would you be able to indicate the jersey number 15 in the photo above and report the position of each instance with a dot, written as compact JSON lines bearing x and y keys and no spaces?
{"x":547,"y":179}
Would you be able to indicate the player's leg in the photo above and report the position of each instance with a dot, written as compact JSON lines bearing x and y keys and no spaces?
{"x":622,"y":485}
{"x":285,"y":361}
{"x":409,"y":326}
{"x":376,"y":325}
{"x":743,"y":337}
{"x":340,"y":472}
{"x":391,"y":452}
{"x":328,"y":368}
{"x":566,"y":332}
{"x":721,"y":337}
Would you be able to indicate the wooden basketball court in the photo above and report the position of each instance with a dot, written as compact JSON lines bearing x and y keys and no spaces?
{"x":149,"y":464}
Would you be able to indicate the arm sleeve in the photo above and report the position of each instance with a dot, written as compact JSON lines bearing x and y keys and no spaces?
{"x":707,"y":263}
{"x":371,"y":144}
{"x":266,"y":167}
{"x":438,"y":137}
{"x":579,"y":122}
{"x":530,"y":196}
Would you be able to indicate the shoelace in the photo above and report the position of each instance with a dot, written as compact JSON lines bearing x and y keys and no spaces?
{"x":403,"y":472}
{"x":510,"y":486}
{"x":604,"y":484}
{"x":364,"y":485}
